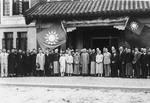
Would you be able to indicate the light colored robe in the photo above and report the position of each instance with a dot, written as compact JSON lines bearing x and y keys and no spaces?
{"x":62,"y":61}
{"x":107,"y":57}
{"x":107,"y":61}
{"x":69,"y":60}
{"x":4,"y":58}
{"x":4,"y":64}
{"x":85,"y":62}
{"x":40,"y":59}
{"x":76,"y":64}
{"x":99,"y":63}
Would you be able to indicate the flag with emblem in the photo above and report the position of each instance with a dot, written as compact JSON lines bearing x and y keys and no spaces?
{"x":135,"y":26}
{"x":51,"y":35}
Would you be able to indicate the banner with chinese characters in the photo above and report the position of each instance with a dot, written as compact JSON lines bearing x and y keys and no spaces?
{"x":51,"y":36}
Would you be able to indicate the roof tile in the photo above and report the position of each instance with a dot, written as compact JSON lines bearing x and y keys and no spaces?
{"x":64,"y":8}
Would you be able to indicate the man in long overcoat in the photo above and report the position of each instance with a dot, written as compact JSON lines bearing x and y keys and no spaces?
{"x":47,"y":63}
{"x":12,"y":63}
{"x":144,"y":63}
{"x":56,"y":57}
{"x":122,"y":55}
{"x":84,"y":62}
{"x":33,"y":61}
{"x":20,"y":59}
{"x":40,"y":60}
{"x":114,"y":63}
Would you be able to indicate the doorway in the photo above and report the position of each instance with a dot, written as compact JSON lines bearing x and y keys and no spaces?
{"x":94,"y":37}
{"x":101,"y":42}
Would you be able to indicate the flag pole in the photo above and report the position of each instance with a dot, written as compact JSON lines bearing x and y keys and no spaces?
{"x":127,"y":19}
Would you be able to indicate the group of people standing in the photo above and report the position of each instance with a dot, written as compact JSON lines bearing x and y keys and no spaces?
{"x":121,"y":62}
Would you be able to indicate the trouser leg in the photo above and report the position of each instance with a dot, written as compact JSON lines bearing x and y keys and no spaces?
{"x":2,"y":71}
{"x":6,"y":70}
{"x":109,"y":69}
{"x":122,"y":70}
{"x":105,"y":70}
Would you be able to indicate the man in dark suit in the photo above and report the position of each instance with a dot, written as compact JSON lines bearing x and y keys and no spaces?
{"x":47,"y":63}
{"x":12,"y":63}
{"x":20,"y":58}
{"x":114,"y":63}
{"x":51,"y":58}
{"x":27,"y":63}
{"x":56,"y":56}
{"x":144,"y":63}
{"x":122,"y":55}
{"x":148,"y":63}
{"x":136,"y":63}
{"x":33,"y":62}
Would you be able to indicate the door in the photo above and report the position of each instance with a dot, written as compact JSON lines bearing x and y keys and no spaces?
{"x":102,"y":42}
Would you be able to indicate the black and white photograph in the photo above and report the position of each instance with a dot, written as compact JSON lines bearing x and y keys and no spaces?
{"x":74,"y":51}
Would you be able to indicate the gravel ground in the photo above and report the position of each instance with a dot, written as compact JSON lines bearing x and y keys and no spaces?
{"x":17,"y":94}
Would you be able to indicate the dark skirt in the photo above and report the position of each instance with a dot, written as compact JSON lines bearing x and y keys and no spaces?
{"x":56,"y":67}
{"x":129,"y":69}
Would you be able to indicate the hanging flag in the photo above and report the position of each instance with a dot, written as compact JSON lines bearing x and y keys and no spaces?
{"x":135,"y":26}
{"x":51,"y":37}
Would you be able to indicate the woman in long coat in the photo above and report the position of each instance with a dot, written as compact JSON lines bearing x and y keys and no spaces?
{"x":62,"y":61}
{"x":92,"y":61}
{"x":99,"y":63}
{"x":69,"y":60}
{"x":76,"y":60}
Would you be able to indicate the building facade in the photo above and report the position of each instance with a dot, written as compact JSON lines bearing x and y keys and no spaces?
{"x":14,"y":33}
{"x":96,"y":23}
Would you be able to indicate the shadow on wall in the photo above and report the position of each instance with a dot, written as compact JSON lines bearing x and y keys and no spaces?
{"x":142,"y":40}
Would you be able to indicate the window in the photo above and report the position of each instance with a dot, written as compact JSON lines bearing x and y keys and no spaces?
{"x":20,"y":6}
{"x":6,"y":7}
{"x":22,"y":40}
{"x":8,"y":40}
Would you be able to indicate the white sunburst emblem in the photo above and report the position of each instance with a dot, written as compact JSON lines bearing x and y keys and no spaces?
{"x":134,"y":25}
{"x":51,"y":38}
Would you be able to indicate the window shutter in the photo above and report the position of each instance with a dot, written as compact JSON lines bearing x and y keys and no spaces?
{"x":3,"y":43}
{"x":11,"y":45}
{"x":17,"y":43}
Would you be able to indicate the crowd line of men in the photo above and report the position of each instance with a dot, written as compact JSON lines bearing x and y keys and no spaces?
{"x":121,"y":62}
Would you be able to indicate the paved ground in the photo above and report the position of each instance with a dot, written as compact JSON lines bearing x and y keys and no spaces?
{"x":75,"y":82}
{"x":74,"y":90}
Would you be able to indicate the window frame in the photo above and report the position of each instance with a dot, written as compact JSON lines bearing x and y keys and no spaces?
{"x":7,"y":39}
{"x":20,"y":38}
{"x":6,"y":6}
{"x":21,"y":6}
